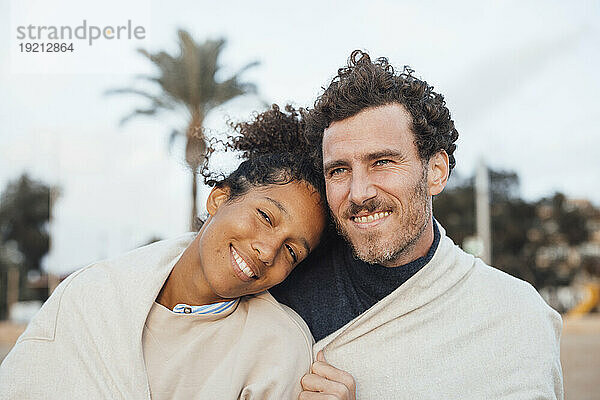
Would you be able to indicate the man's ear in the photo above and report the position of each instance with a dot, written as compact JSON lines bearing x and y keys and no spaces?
{"x":217,"y":197}
{"x":439,"y":169}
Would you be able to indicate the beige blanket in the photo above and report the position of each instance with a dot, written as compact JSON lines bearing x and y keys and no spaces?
{"x":458,"y":329}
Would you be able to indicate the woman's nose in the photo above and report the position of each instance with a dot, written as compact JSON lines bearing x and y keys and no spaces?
{"x":266,"y":250}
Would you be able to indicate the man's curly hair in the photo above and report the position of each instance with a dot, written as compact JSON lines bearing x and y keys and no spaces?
{"x":365,"y":84}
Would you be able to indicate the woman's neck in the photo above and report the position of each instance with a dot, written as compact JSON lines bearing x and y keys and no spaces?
{"x":186,"y":283}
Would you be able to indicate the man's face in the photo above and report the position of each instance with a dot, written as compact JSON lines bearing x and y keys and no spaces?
{"x":377,"y":186}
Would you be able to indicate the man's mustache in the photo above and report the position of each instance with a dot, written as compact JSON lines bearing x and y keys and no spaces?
{"x":370,"y":206}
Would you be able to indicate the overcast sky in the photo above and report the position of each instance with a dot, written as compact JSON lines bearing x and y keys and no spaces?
{"x":520,"y":78}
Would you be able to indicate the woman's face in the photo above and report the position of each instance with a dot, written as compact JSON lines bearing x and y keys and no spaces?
{"x":253,"y":242}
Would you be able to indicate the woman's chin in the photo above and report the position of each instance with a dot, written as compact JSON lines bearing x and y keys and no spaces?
{"x":231,"y":293}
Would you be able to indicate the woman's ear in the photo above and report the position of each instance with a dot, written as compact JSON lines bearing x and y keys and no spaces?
{"x":216,"y":198}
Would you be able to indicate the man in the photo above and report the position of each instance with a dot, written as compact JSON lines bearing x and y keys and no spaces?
{"x":395,"y":306}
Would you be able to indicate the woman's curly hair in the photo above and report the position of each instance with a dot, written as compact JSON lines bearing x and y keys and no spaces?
{"x":276,"y":152}
{"x":364,"y":84}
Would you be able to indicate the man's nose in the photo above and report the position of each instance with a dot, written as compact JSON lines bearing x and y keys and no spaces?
{"x":361,"y":188}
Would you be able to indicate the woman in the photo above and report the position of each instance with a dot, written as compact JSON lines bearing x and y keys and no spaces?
{"x":189,"y":318}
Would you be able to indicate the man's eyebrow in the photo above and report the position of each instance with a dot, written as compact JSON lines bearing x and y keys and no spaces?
{"x":382,"y":154}
{"x":285,"y":211}
{"x":365,"y":157}
{"x":334,"y":164}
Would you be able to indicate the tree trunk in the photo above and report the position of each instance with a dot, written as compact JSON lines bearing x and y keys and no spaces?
{"x":193,"y":225}
{"x":12,"y":287}
{"x":195,"y":152}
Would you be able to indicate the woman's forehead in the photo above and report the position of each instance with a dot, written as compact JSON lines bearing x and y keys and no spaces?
{"x":287,"y":193}
{"x":297,"y":202}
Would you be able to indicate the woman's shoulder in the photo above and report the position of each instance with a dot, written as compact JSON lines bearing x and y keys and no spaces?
{"x":102,"y":286}
{"x":128,"y":268}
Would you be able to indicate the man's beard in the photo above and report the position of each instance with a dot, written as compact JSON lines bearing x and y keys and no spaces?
{"x":374,"y":248}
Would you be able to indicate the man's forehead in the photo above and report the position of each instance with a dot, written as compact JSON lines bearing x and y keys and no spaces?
{"x":387,"y":114}
{"x":376,"y":130}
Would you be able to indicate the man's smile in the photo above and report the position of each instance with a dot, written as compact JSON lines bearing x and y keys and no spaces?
{"x":369,"y":220}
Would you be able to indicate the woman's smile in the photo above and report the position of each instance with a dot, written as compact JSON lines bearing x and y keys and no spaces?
{"x":243,"y":269}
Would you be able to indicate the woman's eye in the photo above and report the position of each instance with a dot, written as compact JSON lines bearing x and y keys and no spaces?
{"x":292,"y":252}
{"x":265,"y":216}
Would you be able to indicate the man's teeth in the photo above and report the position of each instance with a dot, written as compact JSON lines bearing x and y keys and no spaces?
{"x":242,"y":264}
{"x":372,"y":217}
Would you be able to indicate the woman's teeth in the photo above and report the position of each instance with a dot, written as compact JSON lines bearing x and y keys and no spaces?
{"x":242,"y":264}
{"x":372,"y":217}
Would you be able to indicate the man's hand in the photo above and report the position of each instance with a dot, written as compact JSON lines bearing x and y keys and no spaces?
{"x":325,"y":382}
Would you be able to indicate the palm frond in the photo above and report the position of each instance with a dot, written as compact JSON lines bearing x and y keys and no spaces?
{"x":173,"y":136}
{"x":137,"y":112}
{"x":157,"y":101}
{"x":231,"y":88}
{"x":247,"y":67}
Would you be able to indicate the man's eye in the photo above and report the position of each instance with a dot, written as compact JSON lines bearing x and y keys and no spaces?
{"x":382,"y":162}
{"x":265,"y":216}
{"x":292,"y":252}
{"x":337,"y":171}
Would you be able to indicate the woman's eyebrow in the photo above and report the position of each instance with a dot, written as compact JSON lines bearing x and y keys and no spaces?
{"x":305,"y":244}
{"x":278,"y":205}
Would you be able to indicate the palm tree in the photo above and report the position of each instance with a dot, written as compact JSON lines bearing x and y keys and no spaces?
{"x":187,"y":83}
